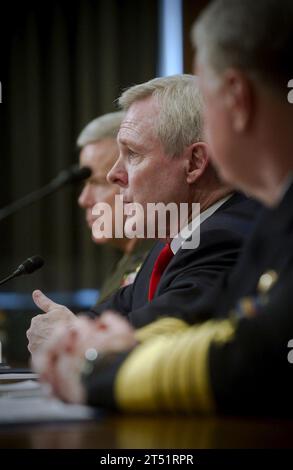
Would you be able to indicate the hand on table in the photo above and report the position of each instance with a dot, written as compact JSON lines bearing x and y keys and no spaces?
{"x":60,"y":363}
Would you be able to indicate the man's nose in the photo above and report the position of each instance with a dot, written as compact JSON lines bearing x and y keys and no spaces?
{"x":118,"y":174}
{"x":85,"y":199}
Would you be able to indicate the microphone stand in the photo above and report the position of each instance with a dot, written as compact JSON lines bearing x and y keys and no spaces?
{"x":11,"y":276}
{"x":66,"y":176}
{"x":27,"y":200}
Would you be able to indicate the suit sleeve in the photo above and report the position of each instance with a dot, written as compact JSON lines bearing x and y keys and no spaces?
{"x":232,"y":365}
{"x":120,"y":301}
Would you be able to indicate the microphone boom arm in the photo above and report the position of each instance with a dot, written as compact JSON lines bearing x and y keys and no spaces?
{"x":27,"y":200}
{"x":74,"y":174}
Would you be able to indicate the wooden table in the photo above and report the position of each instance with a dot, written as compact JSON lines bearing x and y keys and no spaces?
{"x":114,"y":431}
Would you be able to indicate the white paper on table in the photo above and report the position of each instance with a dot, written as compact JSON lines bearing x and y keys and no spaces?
{"x":18,"y":376}
{"x":23,"y":388}
{"x":42,"y":409}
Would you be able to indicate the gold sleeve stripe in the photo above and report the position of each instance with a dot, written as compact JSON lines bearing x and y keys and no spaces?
{"x":162,"y":326}
{"x":170,"y":372}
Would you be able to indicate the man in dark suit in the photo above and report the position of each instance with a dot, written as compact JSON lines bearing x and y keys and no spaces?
{"x":238,"y":364}
{"x":164,"y":159}
{"x":190,"y":272}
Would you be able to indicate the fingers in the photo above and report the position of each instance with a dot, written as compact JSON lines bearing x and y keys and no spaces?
{"x":59,"y":364}
{"x":66,"y":382}
{"x":45,"y":359}
{"x":70,"y":341}
{"x":37,"y":334}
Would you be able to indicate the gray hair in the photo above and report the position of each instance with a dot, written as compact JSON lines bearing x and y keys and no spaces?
{"x":106,"y":126}
{"x":253,"y":35}
{"x":179,"y":122}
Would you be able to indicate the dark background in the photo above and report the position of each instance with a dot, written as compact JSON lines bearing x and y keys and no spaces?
{"x":63,"y":63}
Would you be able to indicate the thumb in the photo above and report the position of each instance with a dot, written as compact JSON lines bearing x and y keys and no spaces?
{"x":43,"y":302}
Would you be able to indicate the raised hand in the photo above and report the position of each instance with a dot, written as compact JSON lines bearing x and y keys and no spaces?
{"x":43,"y":325}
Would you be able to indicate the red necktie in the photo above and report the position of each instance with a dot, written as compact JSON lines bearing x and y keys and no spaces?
{"x":158,"y":269}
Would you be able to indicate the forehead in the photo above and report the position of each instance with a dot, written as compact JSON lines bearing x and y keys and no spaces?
{"x":100,"y":156}
{"x":139,"y":122}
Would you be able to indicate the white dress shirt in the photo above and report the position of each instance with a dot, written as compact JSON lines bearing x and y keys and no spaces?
{"x":190,"y":228}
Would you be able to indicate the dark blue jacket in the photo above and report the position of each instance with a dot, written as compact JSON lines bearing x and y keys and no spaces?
{"x":191,"y":272}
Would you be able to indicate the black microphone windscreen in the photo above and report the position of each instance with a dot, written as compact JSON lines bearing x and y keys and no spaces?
{"x":80,"y":173}
{"x":32,"y":264}
{"x":73,"y":174}
{"x":27,"y":267}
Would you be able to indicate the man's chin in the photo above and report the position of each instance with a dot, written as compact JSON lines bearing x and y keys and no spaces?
{"x":100,"y":241}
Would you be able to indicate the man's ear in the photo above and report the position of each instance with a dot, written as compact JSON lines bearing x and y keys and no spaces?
{"x":197,"y":162}
{"x":238,"y":98}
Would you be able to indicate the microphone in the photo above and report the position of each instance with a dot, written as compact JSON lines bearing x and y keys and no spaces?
{"x":27,"y":267}
{"x":74,"y":174}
